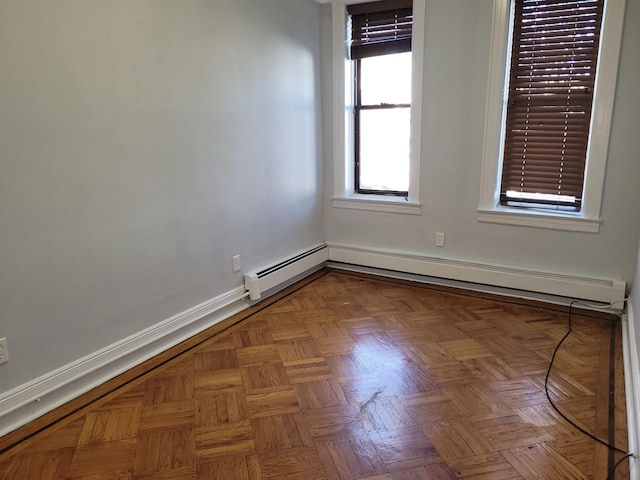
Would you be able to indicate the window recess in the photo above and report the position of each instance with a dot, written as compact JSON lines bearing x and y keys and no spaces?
{"x":373,"y":42}
{"x":510,"y":193}
{"x":550,"y":96}
{"x":380,"y":49}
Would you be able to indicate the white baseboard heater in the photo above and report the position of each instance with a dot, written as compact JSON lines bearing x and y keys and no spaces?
{"x":258,"y":282}
{"x":515,"y":278}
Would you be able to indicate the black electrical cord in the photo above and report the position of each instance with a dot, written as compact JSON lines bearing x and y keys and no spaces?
{"x":546,"y":391}
{"x":612,"y":471}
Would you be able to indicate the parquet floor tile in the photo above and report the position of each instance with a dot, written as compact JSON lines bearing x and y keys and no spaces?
{"x":214,"y":407}
{"x":229,"y":468}
{"x":42,"y":465}
{"x":168,"y":415}
{"x":357,"y":378}
{"x":492,"y":466}
{"x":310,"y":370}
{"x":112,"y":459}
{"x":165,"y":452}
{"x":220,"y":441}
{"x":457,"y":439}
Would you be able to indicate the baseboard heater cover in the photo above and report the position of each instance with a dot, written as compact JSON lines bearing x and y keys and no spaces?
{"x":570,"y":286}
{"x":264,"y":279}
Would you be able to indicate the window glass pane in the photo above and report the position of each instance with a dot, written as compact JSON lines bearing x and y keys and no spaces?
{"x":386,"y":79}
{"x":384,"y":149}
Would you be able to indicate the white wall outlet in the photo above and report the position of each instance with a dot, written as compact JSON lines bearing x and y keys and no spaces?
{"x":4,"y":353}
{"x":237,"y":265}
{"x":439,"y":239}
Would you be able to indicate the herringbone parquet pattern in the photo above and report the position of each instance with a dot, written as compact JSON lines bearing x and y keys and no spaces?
{"x":356,"y":378}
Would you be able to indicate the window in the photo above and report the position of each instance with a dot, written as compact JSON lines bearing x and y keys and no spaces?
{"x":381,"y":54}
{"x":382,"y":122}
{"x":377,"y":104}
{"x":549,"y":111}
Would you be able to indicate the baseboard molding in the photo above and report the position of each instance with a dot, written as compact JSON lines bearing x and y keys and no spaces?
{"x":29,"y":401}
{"x":526,"y":280}
{"x":631,"y":358}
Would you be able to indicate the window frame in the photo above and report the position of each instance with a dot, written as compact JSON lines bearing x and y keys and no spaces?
{"x":588,"y":218}
{"x":344,"y":194}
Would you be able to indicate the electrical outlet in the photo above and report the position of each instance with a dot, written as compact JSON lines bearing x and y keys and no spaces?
{"x":439,"y":239}
{"x":4,"y":353}
{"x":237,"y":265}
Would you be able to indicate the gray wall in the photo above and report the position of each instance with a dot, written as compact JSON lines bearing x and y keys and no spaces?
{"x":142,"y":144}
{"x":628,"y":129}
{"x":455,"y":85}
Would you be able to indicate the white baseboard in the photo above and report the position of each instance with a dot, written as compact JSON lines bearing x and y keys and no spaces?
{"x":631,"y":357}
{"x":526,"y":280}
{"x":33,"y":399}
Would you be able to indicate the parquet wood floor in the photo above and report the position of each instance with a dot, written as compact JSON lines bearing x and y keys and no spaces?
{"x":357,"y":378}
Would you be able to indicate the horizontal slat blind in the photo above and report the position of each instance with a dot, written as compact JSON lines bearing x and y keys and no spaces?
{"x":380,"y":28}
{"x":553,"y":66}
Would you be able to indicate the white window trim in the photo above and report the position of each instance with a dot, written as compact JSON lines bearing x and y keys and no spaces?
{"x":588,"y":219}
{"x":343,"y":166}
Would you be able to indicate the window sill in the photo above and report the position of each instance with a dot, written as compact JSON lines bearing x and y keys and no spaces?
{"x":566,"y":222}
{"x":377,"y":203}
